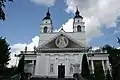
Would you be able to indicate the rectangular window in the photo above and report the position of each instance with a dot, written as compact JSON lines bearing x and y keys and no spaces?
{"x":51,"y":68}
{"x":28,"y":61}
{"x":71,"y":68}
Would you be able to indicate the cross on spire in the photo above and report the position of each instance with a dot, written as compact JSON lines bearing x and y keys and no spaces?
{"x":77,"y":11}
{"x":48,"y":9}
{"x":118,"y":40}
{"x":47,"y":14}
{"x":76,"y":7}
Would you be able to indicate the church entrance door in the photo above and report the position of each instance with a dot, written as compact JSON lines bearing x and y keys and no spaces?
{"x":61,"y":71}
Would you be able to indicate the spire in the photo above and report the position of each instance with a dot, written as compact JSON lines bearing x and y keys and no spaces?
{"x":77,"y":13}
{"x":47,"y":15}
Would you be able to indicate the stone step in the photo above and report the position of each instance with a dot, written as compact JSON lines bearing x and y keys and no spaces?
{"x":37,"y":78}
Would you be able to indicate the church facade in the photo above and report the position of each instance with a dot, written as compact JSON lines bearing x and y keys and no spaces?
{"x":59,"y":54}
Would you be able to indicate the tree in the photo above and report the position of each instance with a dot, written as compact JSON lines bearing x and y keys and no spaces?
{"x":114,"y":58}
{"x":4,"y":53}
{"x":98,"y":70}
{"x":85,"y":69}
{"x":2,"y":5}
{"x":8,"y":71}
{"x":108,"y":76}
{"x":21,"y":65}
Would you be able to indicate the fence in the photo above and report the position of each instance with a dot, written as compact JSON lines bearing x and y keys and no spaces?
{"x":15,"y":77}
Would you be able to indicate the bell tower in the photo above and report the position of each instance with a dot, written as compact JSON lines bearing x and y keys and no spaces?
{"x":46,"y":26}
{"x":78,"y":24}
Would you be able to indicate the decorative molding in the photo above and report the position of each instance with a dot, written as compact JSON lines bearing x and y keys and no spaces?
{"x":61,"y":42}
{"x":61,"y":50}
{"x":67,"y":36}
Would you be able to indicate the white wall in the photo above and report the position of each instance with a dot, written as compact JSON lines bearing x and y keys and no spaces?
{"x":43,"y":62}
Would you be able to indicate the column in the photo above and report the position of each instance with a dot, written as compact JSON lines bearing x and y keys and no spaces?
{"x":66,"y":65}
{"x":33,"y":67}
{"x":92,"y":64}
{"x":56,"y":65}
{"x":103,"y":66}
{"x":108,"y":64}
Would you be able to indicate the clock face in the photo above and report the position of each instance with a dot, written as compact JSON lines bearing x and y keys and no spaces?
{"x":61,"y":42}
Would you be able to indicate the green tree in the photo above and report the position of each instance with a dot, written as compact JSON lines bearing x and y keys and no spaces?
{"x":108,"y":76}
{"x":114,"y":58}
{"x":4,"y":53}
{"x":85,"y":69}
{"x":2,"y":5}
{"x":98,"y":70}
{"x":21,"y":65}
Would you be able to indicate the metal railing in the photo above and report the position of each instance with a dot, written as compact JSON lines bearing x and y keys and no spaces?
{"x":15,"y":77}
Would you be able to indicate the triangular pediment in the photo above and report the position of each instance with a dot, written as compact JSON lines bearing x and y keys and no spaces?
{"x":62,"y":41}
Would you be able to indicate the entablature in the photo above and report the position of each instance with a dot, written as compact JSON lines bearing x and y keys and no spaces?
{"x":61,"y":50}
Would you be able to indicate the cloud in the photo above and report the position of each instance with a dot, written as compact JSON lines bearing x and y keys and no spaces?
{"x":92,"y":30}
{"x":95,"y":48}
{"x":116,"y":26}
{"x":68,"y":26}
{"x":44,"y":2}
{"x":103,"y":10}
{"x":118,"y":47}
{"x":16,"y":48}
{"x":116,"y":31}
{"x":95,"y":12}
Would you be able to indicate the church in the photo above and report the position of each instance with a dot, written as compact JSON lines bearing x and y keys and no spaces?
{"x":59,"y":54}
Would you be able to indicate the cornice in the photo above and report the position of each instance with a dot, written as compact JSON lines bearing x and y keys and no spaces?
{"x":59,"y":50}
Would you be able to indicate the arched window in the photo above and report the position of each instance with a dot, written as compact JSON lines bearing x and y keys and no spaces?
{"x":45,"y":30}
{"x":78,"y":28}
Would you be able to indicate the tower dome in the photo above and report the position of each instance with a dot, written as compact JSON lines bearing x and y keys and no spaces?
{"x":77,"y":14}
{"x":47,"y":15}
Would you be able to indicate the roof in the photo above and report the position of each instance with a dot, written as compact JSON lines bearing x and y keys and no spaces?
{"x":78,"y":16}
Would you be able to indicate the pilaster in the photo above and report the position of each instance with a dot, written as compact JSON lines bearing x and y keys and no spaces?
{"x":92,"y":64}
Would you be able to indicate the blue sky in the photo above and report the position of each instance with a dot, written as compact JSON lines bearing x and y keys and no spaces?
{"x":22,"y":26}
{"x":24,"y":18}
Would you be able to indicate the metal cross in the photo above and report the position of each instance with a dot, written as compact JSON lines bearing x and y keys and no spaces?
{"x":118,"y":40}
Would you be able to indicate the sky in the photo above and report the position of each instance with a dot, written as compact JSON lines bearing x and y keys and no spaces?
{"x":23,"y":19}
